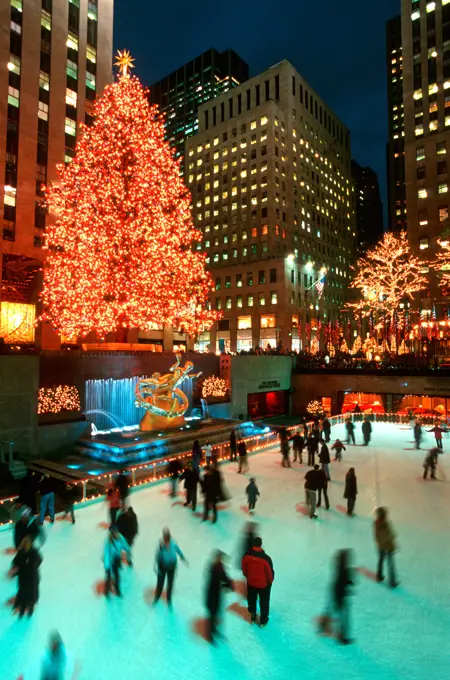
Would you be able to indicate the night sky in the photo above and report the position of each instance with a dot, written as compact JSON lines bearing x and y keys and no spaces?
{"x":338,"y":47}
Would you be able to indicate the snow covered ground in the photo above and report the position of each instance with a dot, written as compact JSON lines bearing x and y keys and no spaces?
{"x":399,"y":634}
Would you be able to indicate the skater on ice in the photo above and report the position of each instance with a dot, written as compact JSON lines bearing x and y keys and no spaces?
{"x":258,"y":569}
{"x":324,"y":458}
{"x":338,"y":447}
{"x":113,"y":500}
{"x":233,"y":446}
{"x":437,"y":430}
{"x":326,"y":429}
{"x":122,"y":484}
{"x":191,"y":481}
{"x":217,"y":581}
{"x":27,"y":525}
{"x":211,"y":493}
{"x":127,"y":524}
{"x":25,"y":566}
{"x":385,"y":541}
{"x":298,"y":444}
{"x":366,"y":428}
{"x":341,"y":590}
{"x":313,"y":480}
{"x":115,"y":546}
{"x":252,"y":492}
{"x":243,"y":458}
{"x":47,"y":489}
{"x":323,"y":489}
{"x":430,"y":463}
{"x":208,"y":453}
{"x":166,"y":558}
{"x":350,"y":427}
{"x":417,"y":433}
{"x":174,"y":468}
{"x":311,"y":447}
{"x":350,"y":491}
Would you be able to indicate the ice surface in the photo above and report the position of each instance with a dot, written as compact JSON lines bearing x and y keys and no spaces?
{"x":399,"y":634}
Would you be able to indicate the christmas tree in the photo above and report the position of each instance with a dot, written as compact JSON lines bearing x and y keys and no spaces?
{"x":357,"y":345}
{"x":121,"y":246}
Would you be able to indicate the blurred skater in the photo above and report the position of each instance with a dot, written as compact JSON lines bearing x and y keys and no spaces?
{"x":323,"y":489}
{"x":115,"y":545}
{"x":113,"y":500}
{"x":211,"y":493}
{"x":56,"y":665}
{"x":196,"y":455}
{"x":258,"y":569}
{"x":166,"y":558}
{"x":191,"y":481}
{"x":26,"y":566}
{"x":127,"y":524}
{"x":366,"y":428}
{"x":350,"y":427}
{"x":27,"y":525}
{"x":326,"y":429}
{"x":437,"y":435}
{"x":208,"y":453}
{"x":418,"y":433}
{"x":430,"y":463}
{"x":311,"y":447}
{"x":340,"y":594}
{"x":298,"y":444}
{"x":351,"y":490}
{"x":284,"y":443}
{"x":338,"y":447}
{"x":217,"y":580}
{"x":233,"y":446}
{"x":385,"y":540}
{"x":173,"y":468}
{"x":71,"y":495}
{"x":243,"y":458}
{"x":122,"y":484}
{"x":313,"y":480}
{"x":252,"y":492}
{"x":324,"y":458}
{"x":47,"y":489}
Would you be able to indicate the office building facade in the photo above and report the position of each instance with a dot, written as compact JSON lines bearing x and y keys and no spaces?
{"x":270,"y":176}
{"x":395,"y":149}
{"x":180,"y":94}
{"x":426,"y":92}
{"x":368,"y":207}
{"x":59,"y":57}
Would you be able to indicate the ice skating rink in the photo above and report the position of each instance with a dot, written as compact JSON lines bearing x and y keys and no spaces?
{"x":398,"y":634}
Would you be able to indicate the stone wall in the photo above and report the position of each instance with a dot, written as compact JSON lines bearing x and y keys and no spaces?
{"x":19,"y":380}
{"x":251,"y":374}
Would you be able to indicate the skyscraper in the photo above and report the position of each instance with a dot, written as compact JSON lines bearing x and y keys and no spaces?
{"x":180,"y":94}
{"x":426,"y":95}
{"x":58,"y":54}
{"x":395,"y":150}
{"x":368,"y":207}
{"x":270,"y":176}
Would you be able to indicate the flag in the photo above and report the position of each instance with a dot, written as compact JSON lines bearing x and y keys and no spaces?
{"x":319,"y":286}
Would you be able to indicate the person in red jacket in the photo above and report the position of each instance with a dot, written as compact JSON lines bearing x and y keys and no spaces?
{"x":258,"y":569}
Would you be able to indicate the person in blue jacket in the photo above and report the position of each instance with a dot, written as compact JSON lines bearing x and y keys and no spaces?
{"x":115,"y":545}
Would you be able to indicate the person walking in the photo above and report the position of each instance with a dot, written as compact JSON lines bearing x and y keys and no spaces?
{"x":173,"y":469}
{"x":113,"y":500}
{"x":233,"y":446}
{"x":127,"y":524}
{"x":326,"y":429}
{"x":437,"y":435}
{"x":418,"y":433}
{"x":211,"y":493}
{"x":258,"y":569}
{"x":323,"y":488}
{"x":350,"y":427}
{"x":70,"y":496}
{"x":338,"y":447}
{"x":217,"y":580}
{"x":122,"y":484}
{"x":430,"y":463}
{"x":166,"y":558}
{"x":55,"y":664}
{"x":252,"y":492}
{"x":385,"y":541}
{"x":243,"y":459}
{"x":208,"y":453}
{"x":312,"y":483}
{"x":191,"y":480}
{"x":311,"y":447}
{"x":27,"y":525}
{"x":324,"y":458}
{"x":340,"y":594}
{"x":46,"y":487}
{"x":26,"y":566}
{"x":285,"y":462}
{"x":298,"y":444}
{"x":350,"y":491}
{"x":115,"y":545}
{"x":366,"y":428}
{"x":196,"y":455}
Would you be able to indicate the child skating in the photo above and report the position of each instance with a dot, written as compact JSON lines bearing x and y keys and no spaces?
{"x":252,"y":492}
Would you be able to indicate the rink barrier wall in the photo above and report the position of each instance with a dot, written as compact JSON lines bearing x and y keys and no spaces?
{"x":150,"y":473}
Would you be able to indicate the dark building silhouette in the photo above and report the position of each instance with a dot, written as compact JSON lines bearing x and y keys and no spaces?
{"x":395,"y":149}
{"x":368,"y":207}
{"x":180,"y":94}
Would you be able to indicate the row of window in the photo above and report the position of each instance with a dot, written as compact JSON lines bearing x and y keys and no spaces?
{"x":442,"y":188}
{"x":262,"y":299}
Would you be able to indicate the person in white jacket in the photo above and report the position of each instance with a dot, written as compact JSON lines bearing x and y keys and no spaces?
{"x":115,"y":545}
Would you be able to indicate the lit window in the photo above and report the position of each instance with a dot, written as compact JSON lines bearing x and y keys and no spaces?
{"x":433,"y":125}
{"x":72,"y":69}
{"x":46,"y":20}
{"x":418,"y":131}
{"x":199,"y":149}
{"x":71,"y":97}
{"x":265,"y":230}
{"x":443,"y":213}
{"x":442,"y":188}
{"x":18,"y":4}
{"x":415,"y":16}
{"x":267,"y":321}
{"x":215,"y":141}
{"x":262,"y":299}
{"x":43,"y":111}
{"x":17,"y":28}
{"x":423,"y":243}
{"x":228,"y":302}
{"x":432,"y":89}
{"x":91,"y":54}
{"x":420,"y":154}
{"x":70,"y":127}
{"x":216,"y":168}
{"x":72,"y":41}
{"x":10,"y":195}
{"x":14,"y":64}
{"x":13,"y":96}
{"x":422,"y":193}
{"x":417,"y":94}
{"x":263,"y":120}
{"x":273,"y":298}
{"x":92,"y":9}
{"x":431,"y":6}
{"x":249,"y":300}
{"x":238,"y":300}
{"x":243,"y":173}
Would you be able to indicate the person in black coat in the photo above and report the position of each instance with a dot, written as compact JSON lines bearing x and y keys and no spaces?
{"x":366,"y":430}
{"x":211,"y":492}
{"x":233,"y":446}
{"x":351,"y":490}
{"x":326,"y":429}
{"x":70,"y":496}
{"x":311,"y":446}
{"x":191,"y":480}
{"x":127,"y":524}
{"x":417,"y":434}
{"x":324,"y":458}
{"x":298,"y":444}
{"x":26,"y":566}
{"x":27,"y":525}
{"x":217,"y":580}
{"x":243,"y":457}
{"x":122,"y":485}
{"x":350,"y":427}
{"x":196,"y":455}
{"x":173,"y":468}
{"x":340,"y":593}
{"x":323,"y":489}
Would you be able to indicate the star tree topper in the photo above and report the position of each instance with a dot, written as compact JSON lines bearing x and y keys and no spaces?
{"x":124,"y":61}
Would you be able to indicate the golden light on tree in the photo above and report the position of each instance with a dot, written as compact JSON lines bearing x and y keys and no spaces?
{"x":57,"y":399}
{"x":442,"y":264}
{"x":213,"y":386}
{"x":315,"y":408}
{"x":388,"y":274}
{"x":121,"y":246}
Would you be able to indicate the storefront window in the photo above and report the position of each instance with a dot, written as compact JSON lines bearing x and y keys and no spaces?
{"x":244,"y":322}
{"x":267,"y":321}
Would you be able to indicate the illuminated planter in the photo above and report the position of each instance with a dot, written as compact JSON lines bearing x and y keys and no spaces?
{"x":17,"y":322}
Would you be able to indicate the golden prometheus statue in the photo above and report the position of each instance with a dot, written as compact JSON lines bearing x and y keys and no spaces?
{"x":165,"y":404}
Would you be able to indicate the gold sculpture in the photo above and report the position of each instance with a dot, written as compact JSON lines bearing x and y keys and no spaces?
{"x":165,"y":404}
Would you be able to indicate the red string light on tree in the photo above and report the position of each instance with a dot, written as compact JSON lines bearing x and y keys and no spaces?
{"x":121,"y":245}
{"x":57,"y":399}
